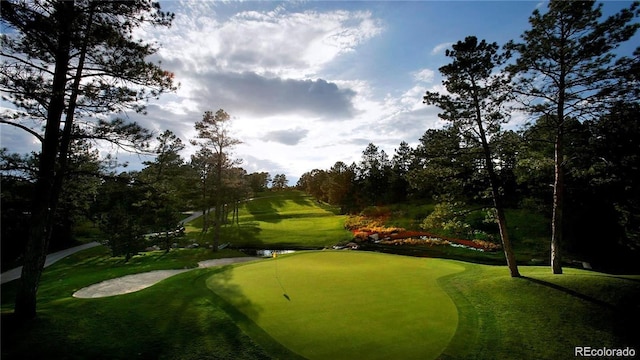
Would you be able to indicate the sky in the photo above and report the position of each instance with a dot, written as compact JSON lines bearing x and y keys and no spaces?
{"x":310,"y":83}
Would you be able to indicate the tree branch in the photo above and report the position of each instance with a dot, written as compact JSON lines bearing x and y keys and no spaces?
{"x":30,"y":131}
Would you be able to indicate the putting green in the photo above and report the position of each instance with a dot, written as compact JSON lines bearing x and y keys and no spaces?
{"x":346,"y":305}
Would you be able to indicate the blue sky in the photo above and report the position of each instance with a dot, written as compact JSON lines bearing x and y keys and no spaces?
{"x":310,"y":83}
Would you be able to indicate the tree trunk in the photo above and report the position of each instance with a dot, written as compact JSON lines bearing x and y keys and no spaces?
{"x":44,"y":200}
{"x":497,"y":202}
{"x":558,"y":190}
{"x":497,"y":197}
{"x":218,"y":210}
{"x":216,"y":226}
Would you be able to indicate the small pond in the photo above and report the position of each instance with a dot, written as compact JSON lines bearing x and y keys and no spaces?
{"x":266,"y":252}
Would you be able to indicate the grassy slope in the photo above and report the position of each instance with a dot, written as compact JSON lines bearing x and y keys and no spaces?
{"x":342,"y":305}
{"x":280,"y":220}
{"x":172,"y":320}
{"x":540,"y":316}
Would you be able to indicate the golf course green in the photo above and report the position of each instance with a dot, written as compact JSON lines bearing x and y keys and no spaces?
{"x":341,"y":305}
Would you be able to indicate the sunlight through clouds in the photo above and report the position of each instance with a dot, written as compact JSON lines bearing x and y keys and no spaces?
{"x":309,"y":83}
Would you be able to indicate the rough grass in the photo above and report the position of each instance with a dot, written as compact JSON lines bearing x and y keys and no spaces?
{"x":278,"y":220}
{"x":540,"y":316}
{"x":172,"y":320}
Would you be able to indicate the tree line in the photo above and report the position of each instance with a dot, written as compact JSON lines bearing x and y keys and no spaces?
{"x":575,"y":158}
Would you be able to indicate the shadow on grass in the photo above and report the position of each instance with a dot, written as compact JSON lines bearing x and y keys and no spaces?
{"x":571,"y":292}
{"x":625,"y":313}
{"x":177,"y":319}
{"x":265,"y":209}
{"x":242,"y":311}
{"x":302,"y":200}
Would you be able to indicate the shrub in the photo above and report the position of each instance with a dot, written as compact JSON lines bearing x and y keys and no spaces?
{"x":449,"y":217}
{"x":361,"y":235}
{"x":487,"y":245}
{"x":376,"y":211}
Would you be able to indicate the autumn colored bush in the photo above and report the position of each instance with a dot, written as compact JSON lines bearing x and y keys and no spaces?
{"x":488,"y":245}
{"x":417,"y":241}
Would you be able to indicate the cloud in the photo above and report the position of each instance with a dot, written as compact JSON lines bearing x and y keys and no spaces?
{"x":256,"y":95}
{"x":286,"y":137}
{"x":254,"y":164}
{"x":278,"y":42}
{"x":440,"y":47}
{"x":424,"y":75}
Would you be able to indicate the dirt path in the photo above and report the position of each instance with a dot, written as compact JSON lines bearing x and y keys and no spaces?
{"x":131,"y":283}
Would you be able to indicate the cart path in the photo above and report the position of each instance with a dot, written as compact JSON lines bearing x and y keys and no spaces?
{"x":14,"y":274}
{"x":131,"y":283}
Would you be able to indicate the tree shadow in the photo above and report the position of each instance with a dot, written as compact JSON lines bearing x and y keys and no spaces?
{"x":572,"y":293}
{"x":242,"y":235}
{"x":265,"y":209}
{"x":302,"y":200}
{"x":231,"y":294}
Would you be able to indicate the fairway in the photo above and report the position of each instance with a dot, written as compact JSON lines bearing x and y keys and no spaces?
{"x":345,"y":305}
{"x":281,"y":220}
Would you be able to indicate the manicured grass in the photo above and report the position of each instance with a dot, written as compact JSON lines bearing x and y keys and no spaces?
{"x":344,"y":305}
{"x":175,"y":319}
{"x":352,"y":301}
{"x":540,"y":316}
{"x":339,"y":304}
{"x":280,"y":220}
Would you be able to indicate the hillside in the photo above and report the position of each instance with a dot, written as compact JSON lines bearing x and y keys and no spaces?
{"x":279,"y":220}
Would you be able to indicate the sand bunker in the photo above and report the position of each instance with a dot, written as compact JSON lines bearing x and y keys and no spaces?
{"x":131,"y":283}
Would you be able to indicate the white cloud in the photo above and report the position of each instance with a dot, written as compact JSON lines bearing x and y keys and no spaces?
{"x":424,"y":75}
{"x":440,"y":48}
{"x":274,"y":43}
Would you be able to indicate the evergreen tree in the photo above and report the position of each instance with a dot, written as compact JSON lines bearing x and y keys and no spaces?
{"x":565,"y":69}
{"x":65,"y":59}
{"x":476,"y":107}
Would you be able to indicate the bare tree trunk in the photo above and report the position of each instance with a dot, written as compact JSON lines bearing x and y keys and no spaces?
{"x":497,"y":197}
{"x":216,"y":226}
{"x":497,"y":202}
{"x":44,"y":201}
{"x":558,"y":202}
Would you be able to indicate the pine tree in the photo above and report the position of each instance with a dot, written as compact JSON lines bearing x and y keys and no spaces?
{"x":69,"y":59}
{"x":566,"y":70}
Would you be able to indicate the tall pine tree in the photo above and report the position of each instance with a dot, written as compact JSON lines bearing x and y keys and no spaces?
{"x":64,"y":60}
{"x":565,"y":70}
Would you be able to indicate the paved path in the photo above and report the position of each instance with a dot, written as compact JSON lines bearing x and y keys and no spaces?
{"x":14,"y":274}
{"x":131,"y":283}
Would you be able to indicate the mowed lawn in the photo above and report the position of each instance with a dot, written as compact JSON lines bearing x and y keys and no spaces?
{"x":280,"y":220}
{"x":346,"y":305}
{"x":323,"y":305}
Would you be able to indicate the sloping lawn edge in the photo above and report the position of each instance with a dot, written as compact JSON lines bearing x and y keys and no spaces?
{"x":249,"y":327}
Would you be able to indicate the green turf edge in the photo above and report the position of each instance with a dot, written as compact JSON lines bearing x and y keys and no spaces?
{"x":249,"y":327}
{"x":467,"y":335}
